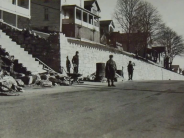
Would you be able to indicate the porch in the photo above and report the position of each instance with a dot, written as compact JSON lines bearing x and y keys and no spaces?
{"x":17,"y":7}
{"x":77,"y":15}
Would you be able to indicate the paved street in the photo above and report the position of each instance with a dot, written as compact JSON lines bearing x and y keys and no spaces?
{"x":137,"y":109}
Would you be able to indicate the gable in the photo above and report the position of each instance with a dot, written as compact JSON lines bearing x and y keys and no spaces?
{"x":112,"y":24}
{"x":92,"y":3}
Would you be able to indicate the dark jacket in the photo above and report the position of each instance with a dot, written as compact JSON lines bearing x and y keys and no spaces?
{"x":75,"y":60}
{"x":110,"y":69}
{"x":130,"y":67}
{"x":68,"y":64}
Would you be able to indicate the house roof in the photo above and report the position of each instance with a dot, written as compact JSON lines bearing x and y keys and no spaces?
{"x":175,"y":66}
{"x":107,"y":22}
{"x":159,"y":48}
{"x":90,"y":3}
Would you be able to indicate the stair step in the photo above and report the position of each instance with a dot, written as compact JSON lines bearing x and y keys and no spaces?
{"x":22,"y":56}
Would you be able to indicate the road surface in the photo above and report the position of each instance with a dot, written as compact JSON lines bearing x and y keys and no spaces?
{"x":135,"y":109}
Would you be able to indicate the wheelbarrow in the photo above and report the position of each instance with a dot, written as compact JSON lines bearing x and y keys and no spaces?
{"x":75,"y":78}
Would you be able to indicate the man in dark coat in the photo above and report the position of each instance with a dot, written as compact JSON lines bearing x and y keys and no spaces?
{"x":110,"y":71}
{"x":68,"y":64}
{"x":75,"y":62}
{"x":130,"y":70}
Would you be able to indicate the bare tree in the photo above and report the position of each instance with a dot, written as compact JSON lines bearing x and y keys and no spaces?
{"x":147,"y":20}
{"x":172,"y":41}
{"x":138,"y":16}
{"x":125,"y":14}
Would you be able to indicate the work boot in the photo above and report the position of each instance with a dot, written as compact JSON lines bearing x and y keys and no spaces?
{"x":113,"y":85}
{"x":109,"y":85}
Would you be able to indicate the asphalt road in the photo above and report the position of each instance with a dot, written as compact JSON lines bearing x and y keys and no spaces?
{"x":136,"y":109}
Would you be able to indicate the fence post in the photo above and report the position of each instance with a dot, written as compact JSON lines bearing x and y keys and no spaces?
{"x":162,"y":74}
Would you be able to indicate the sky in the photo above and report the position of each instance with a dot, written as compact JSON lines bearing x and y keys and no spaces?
{"x":171,"y":11}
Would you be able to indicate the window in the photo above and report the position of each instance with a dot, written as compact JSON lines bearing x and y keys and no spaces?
{"x":22,"y":2}
{"x":78,"y":14}
{"x":46,"y":14}
{"x":94,"y":11}
{"x":85,"y":17}
{"x":14,"y":2}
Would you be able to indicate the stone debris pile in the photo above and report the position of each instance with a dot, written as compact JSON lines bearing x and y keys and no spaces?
{"x":13,"y":77}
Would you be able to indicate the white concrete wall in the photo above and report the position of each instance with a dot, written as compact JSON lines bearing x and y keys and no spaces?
{"x":88,"y":57}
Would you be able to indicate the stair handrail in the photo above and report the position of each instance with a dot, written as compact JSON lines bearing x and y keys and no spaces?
{"x":10,"y":25}
{"x":44,"y":65}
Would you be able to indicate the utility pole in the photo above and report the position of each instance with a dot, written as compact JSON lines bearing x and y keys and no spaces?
{"x":162,"y":74}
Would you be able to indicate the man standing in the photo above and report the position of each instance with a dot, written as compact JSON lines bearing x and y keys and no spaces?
{"x":75,"y":62}
{"x":130,"y":70}
{"x":68,"y":64}
{"x":110,"y":71}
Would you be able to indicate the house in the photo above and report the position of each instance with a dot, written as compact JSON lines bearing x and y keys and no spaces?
{"x":180,"y":71}
{"x":75,"y":18}
{"x":45,"y":15}
{"x":106,"y":28}
{"x":134,"y":42}
{"x":16,"y":12}
{"x":81,"y":20}
{"x":175,"y":68}
{"x":157,"y":54}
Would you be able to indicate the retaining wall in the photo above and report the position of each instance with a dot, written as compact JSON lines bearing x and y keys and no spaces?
{"x":88,"y":57}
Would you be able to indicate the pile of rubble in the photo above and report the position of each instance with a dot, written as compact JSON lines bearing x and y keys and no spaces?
{"x":13,"y":82}
{"x":93,"y":77}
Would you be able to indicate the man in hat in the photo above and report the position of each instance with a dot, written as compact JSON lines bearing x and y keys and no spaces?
{"x":75,"y":62}
{"x":110,"y":71}
{"x":130,"y":70}
{"x":68,"y":65}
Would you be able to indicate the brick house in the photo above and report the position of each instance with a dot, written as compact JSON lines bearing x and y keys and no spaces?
{"x":75,"y":18}
{"x":133,"y":43}
{"x":45,"y":15}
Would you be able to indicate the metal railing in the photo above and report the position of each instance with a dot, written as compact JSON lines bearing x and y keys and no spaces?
{"x":10,"y":25}
{"x":45,"y":67}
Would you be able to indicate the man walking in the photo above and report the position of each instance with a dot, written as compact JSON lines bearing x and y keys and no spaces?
{"x":130,"y":70}
{"x":75,"y":62}
{"x":110,"y":71}
{"x":68,"y":64}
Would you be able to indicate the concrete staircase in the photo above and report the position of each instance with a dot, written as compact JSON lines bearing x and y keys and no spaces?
{"x":19,"y":54}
